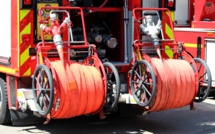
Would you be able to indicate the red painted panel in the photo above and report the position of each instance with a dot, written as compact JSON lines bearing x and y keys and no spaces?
{"x":133,"y":4}
{"x":14,"y":33}
{"x":191,"y":38}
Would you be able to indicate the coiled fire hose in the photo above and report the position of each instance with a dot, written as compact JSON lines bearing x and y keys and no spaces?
{"x":80,"y":92}
{"x":175,"y":84}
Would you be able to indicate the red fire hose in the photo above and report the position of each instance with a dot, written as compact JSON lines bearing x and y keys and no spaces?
{"x":176,"y":85}
{"x":81,"y":90}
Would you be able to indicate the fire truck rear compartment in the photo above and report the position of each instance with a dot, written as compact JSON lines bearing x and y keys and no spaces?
{"x":80,"y":60}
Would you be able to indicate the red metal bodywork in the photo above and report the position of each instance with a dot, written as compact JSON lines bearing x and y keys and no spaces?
{"x":198,"y":10}
{"x":204,"y":14}
{"x":202,"y":26}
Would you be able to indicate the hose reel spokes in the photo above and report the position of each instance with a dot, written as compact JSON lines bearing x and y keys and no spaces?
{"x":43,"y":90}
{"x":204,"y":80}
{"x":113,"y":87}
{"x":143,"y":83}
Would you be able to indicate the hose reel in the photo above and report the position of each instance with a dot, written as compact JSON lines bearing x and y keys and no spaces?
{"x":163,"y":84}
{"x":202,"y":74}
{"x":204,"y":80}
{"x":113,"y":87}
{"x":75,"y":89}
{"x":81,"y":90}
{"x":43,"y":89}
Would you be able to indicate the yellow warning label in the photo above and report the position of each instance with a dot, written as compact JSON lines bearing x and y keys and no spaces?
{"x":45,"y":15}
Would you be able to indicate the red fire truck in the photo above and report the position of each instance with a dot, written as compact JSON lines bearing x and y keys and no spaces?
{"x":194,"y":25}
{"x":66,"y":58}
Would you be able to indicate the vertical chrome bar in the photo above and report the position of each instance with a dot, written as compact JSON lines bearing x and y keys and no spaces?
{"x":126,"y":31}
